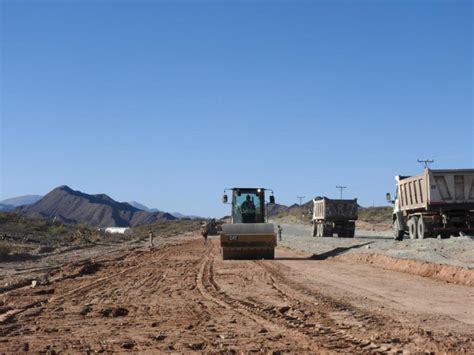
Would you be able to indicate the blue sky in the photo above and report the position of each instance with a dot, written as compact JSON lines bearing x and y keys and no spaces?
{"x":168,"y":103}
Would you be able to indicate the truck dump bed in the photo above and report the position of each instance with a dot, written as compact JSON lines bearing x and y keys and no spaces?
{"x":328,"y":209}
{"x":434,"y":188}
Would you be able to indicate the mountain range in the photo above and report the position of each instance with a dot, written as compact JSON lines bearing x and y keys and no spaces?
{"x":70,"y":206}
{"x":10,"y":203}
{"x":142,"y":207}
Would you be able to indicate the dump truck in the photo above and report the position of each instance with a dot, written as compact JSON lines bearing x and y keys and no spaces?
{"x":334,"y":217}
{"x":248,"y":235}
{"x":435,"y":202}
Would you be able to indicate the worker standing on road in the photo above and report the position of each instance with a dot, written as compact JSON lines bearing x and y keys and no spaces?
{"x":279,"y":232}
{"x":205,"y":231}
{"x":150,"y":237}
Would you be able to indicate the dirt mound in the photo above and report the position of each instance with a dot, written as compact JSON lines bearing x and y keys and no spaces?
{"x":447,"y":273}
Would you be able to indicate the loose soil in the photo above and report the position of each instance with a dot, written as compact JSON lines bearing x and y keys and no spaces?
{"x":182,"y":297}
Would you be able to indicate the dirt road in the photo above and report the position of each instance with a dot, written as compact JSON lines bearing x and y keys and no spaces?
{"x":184,"y":298}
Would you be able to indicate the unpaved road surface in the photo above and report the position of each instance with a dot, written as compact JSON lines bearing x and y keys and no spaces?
{"x":455,"y":251}
{"x":184,"y":297}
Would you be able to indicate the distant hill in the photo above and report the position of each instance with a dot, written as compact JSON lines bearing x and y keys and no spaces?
{"x":273,"y":209}
{"x":70,"y":206}
{"x":6,"y":208}
{"x":142,"y":207}
{"x":181,"y":216}
{"x":21,"y":200}
{"x":296,"y":213}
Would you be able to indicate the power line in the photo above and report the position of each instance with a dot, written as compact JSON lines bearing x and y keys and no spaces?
{"x":300,"y":198}
{"x":341,"y":188}
{"x":426,"y":163}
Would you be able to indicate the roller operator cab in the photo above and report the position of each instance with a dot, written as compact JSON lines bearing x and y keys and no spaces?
{"x":248,"y":235}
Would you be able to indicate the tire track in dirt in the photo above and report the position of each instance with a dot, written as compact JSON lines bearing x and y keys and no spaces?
{"x":321,"y":336}
{"x":210,"y":291}
{"x":391,"y":334}
{"x":182,"y":298}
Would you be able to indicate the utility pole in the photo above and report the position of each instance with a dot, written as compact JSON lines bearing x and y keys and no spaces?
{"x":426,"y":163}
{"x":341,"y":188}
{"x":300,"y":198}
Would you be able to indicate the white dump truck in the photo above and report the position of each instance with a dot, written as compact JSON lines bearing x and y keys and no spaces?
{"x":435,"y":202}
{"x":334,"y":217}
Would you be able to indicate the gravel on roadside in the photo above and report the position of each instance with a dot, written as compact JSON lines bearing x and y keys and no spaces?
{"x":456,"y":251}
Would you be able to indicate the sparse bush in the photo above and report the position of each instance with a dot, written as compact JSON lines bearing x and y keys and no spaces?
{"x":4,"y":249}
{"x":44,"y":249}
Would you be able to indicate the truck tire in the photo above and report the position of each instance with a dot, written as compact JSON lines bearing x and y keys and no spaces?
{"x":413,"y":227}
{"x":397,"y":233}
{"x":350,"y":230}
{"x":322,"y":230}
{"x":350,"y":233}
{"x":326,"y":231}
{"x":314,"y":230}
{"x":423,"y":231}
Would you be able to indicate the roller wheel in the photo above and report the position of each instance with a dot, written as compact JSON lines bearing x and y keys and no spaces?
{"x":270,"y":254}
{"x":413,"y":227}
{"x":226,"y":254}
{"x":314,"y":230}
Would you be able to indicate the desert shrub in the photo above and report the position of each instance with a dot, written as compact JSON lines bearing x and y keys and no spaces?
{"x":4,"y":249}
{"x":44,"y":249}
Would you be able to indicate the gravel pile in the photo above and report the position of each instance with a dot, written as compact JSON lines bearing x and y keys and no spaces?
{"x":456,"y":251}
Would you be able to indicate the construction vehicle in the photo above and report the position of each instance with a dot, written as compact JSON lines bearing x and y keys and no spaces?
{"x":435,"y":202}
{"x":248,"y":235}
{"x":334,"y":217}
{"x":214,"y":227}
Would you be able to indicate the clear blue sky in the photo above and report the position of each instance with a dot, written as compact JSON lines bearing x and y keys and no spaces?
{"x":168,"y":103}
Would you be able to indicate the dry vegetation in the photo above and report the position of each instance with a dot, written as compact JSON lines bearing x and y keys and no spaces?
{"x":20,"y":234}
{"x":168,"y":228}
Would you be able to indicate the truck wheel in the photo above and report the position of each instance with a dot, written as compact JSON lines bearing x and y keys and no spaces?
{"x":397,"y":233}
{"x":314,"y":230}
{"x":327,"y":231}
{"x":423,"y":229}
{"x":413,"y":227}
